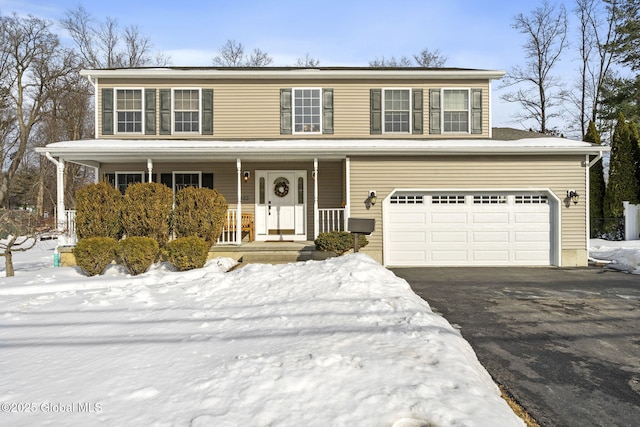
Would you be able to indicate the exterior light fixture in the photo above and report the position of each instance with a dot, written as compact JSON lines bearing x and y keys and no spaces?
{"x":371,"y":199}
{"x":574,"y":196}
{"x":246,"y":176}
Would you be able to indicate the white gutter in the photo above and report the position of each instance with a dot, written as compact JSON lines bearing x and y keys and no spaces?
{"x":594,"y":161}
{"x":293,"y":73}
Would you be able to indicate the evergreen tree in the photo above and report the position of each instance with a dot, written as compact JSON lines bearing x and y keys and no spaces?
{"x":622,"y":185}
{"x":596,"y":185}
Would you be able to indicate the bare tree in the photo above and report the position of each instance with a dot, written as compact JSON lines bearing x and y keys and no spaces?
{"x":539,"y":90}
{"x":307,"y":62}
{"x":17,"y":234}
{"x":430,"y":59}
{"x":33,"y":62}
{"x":231,"y":54}
{"x":106,"y":45}
{"x":258,"y":58}
{"x":392,"y":62}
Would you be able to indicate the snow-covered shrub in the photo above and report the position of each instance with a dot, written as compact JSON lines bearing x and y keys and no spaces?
{"x":187,"y":253}
{"x":137,"y":254}
{"x":199,"y":212}
{"x":338,"y":241}
{"x":94,"y":254}
{"x":146,"y":211}
{"x":98,"y":211}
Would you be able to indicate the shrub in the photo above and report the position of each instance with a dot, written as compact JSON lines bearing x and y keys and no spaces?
{"x":94,"y":254}
{"x":137,"y":254}
{"x":98,"y":211}
{"x":338,"y":241}
{"x":146,"y":211}
{"x":200,"y":212}
{"x":187,"y":253}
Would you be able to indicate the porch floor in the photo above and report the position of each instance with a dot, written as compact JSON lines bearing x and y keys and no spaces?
{"x":270,"y":252}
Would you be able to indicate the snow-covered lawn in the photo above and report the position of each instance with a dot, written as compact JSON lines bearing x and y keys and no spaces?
{"x":342,"y":342}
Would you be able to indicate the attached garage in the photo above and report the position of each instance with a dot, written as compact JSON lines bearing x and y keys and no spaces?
{"x":476,"y":228}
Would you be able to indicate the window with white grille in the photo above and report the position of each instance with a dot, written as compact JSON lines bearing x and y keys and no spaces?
{"x":489,"y":199}
{"x":407,"y":199}
{"x":529,"y":199}
{"x":447,"y":200}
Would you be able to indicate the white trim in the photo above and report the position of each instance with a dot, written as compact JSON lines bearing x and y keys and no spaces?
{"x":555,"y":205}
{"x":587,"y":200}
{"x":239,"y":204}
{"x":347,"y":206}
{"x":490,"y":113}
{"x":442,"y":110}
{"x":293,"y":111}
{"x":173,"y":118}
{"x":295,"y":73}
{"x":115,"y":110}
{"x":316,"y":212}
{"x":383,"y":110}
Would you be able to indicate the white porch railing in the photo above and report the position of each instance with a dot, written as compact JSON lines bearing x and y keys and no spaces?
{"x":331,"y":220}
{"x":229,"y":235}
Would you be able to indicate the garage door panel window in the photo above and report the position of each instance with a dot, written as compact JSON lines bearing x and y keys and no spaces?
{"x":531,"y":199}
{"x":447,"y":200}
{"x":406,"y":199}
{"x":489,"y":200}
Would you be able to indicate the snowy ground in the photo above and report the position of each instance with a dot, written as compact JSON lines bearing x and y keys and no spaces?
{"x":624,"y":255}
{"x":342,"y":342}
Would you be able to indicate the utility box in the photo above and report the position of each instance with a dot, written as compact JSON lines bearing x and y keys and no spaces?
{"x":361,"y":225}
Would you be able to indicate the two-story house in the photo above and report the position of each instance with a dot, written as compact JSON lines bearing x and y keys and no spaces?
{"x":302,"y":150}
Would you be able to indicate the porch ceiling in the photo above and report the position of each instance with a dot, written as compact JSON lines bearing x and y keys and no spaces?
{"x":126,"y":150}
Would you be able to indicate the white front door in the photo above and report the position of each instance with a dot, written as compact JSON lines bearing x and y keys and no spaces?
{"x":280,"y":207}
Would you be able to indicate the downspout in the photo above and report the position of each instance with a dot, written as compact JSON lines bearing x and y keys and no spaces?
{"x":94,"y":83}
{"x":589,"y":164}
{"x":61,"y":213}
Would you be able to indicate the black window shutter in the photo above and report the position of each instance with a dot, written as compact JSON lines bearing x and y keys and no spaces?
{"x":166,"y":179}
{"x":376,"y":111}
{"x":417,"y":111}
{"x":327,"y":111}
{"x":165,"y":111}
{"x":434,"y":111}
{"x":207,"y":111}
{"x":110,"y":178}
{"x":476,"y":111}
{"x":107,"y":111}
{"x":150,"y":111}
{"x":207,"y":180}
{"x":285,"y":112}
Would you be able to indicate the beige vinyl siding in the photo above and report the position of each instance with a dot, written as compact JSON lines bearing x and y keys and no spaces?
{"x":558,"y":173}
{"x":250,"y":109}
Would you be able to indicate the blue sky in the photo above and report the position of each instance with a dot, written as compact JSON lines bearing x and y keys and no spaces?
{"x":472,"y":34}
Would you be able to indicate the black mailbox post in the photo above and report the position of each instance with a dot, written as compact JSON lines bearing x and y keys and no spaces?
{"x":359,"y":226}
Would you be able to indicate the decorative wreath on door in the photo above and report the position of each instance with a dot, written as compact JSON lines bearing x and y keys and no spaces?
{"x":281,"y":187}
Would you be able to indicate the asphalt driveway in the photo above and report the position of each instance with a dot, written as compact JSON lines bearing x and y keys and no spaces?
{"x":564,"y":342}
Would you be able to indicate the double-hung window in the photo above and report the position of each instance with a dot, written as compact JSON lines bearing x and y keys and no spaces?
{"x":129,"y":110}
{"x":397,"y":110}
{"x":307,"y":110}
{"x":186,"y":179}
{"x":455,"y":110}
{"x":186,"y":110}
{"x":125,"y":179}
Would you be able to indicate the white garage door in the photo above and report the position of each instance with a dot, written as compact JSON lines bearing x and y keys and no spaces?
{"x":455,"y":229}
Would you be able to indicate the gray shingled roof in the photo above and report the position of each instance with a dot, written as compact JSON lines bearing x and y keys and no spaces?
{"x":510,"y":134}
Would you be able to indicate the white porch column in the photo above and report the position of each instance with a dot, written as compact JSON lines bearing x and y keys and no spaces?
{"x":347,"y":205}
{"x":61,"y":213}
{"x":316,"y":213}
{"x":239,"y":209}
{"x":150,"y":169}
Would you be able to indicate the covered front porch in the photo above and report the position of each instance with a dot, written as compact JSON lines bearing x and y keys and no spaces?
{"x":272,"y":197}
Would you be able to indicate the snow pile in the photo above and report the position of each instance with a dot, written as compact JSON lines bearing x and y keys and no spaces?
{"x":341,"y":342}
{"x":623,"y":255}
